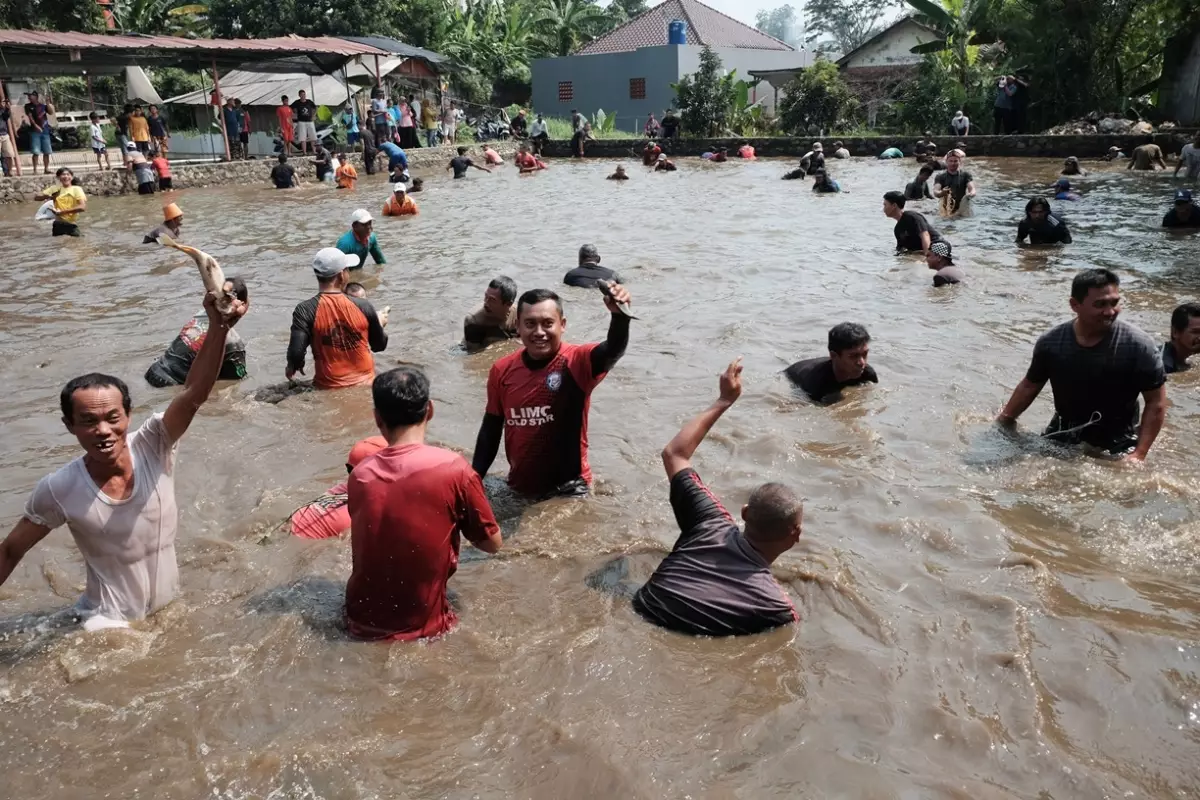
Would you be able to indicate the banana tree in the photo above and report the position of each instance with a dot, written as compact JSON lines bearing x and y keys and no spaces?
{"x":961,"y":26}
{"x":158,"y":16}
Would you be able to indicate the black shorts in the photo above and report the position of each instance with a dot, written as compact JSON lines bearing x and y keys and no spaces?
{"x":164,"y":184}
{"x":145,"y":188}
{"x":143,"y":147}
{"x":60,"y":228}
{"x":244,"y":137}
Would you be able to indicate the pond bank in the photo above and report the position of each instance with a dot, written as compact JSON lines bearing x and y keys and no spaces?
{"x":204,"y":174}
{"x":1034,"y":145}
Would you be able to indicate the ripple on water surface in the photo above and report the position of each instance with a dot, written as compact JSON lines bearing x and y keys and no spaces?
{"x":982,"y":615}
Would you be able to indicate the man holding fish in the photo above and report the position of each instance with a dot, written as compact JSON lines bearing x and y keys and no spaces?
{"x":538,"y":398}
{"x":118,"y":498}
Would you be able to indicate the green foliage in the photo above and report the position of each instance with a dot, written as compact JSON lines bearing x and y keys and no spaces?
{"x":254,"y":18}
{"x":160,"y":17}
{"x":846,"y":24}
{"x":566,"y":24}
{"x":172,"y":82}
{"x":930,"y":100}
{"x":52,"y":15}
{"x":816,"y":100}
{"x":779,"y":22}
{"x":705,"y":97}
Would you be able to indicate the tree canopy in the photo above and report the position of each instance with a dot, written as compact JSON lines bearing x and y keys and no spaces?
{"x":782,"y":23}
{"x":845,"y":24}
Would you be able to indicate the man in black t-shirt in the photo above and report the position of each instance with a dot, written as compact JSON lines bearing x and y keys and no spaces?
{"x":1097,"y":366}
{"x":305,"y":112}
{"x":919,"y":188}
{"x":1185,"y":338}
{"x":717,"y":579}
{"x":954,"y":182}
{"x":823,"y":379}
{"x":1041,"y":226}
{"x":913,"y":231}
{"x":282,"y":174}
{"x":461,"y":164}
{"x":589,"y":270}
{"x":1185,"y":213}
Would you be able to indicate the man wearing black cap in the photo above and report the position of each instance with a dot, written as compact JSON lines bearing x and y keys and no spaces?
{"x":939,"y":258}
{"x":589,"y":270}
{"x":1185,"y":214}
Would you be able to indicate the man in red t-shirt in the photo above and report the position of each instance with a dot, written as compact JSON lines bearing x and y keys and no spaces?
{"x":539,"y":398}
{"x":409,"y":504}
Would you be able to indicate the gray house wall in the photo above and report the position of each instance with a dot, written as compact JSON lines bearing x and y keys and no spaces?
{"x":601,"y":81}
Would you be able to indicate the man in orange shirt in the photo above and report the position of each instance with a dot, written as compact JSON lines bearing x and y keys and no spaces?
{"x":400,"y":204}
{"x":343,"y":331}
{"x":287,"y":131}
{"x":346,"y":175}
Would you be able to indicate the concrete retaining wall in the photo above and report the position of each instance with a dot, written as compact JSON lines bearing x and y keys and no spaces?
{"x":997,"y":146}
{"x":200,"y":175}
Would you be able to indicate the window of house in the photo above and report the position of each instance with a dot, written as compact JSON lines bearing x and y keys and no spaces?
{"x":566,"y":91}
{"x":637,"y":88}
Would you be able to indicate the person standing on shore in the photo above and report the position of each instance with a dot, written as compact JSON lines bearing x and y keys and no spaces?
{"x":1002,"y":110}
{"x":961,"y":125}
{"x":538,"y":398}
{"x":139,"y":130}
{"x":305,"y":111}
{"x":99,"y":145}
{"x":37,"y":114}
{"x":118,"y":498}
{"x":410,"y":505}
{"x":1097,"y":366}
{"x":539,"y":134}
{"x":160,"y":132}
{"x":287,"y":131}
{"x":8,"y":149}
{"x":429,"y":123}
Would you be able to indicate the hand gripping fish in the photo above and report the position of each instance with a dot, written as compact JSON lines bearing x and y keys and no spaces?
{"x":210,"y":272}
{"x":606,"y":289}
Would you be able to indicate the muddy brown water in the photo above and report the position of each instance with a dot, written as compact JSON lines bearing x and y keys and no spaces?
{"x":982,"y":617}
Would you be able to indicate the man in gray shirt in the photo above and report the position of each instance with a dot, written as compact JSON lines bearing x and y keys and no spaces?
{"x":1097,"y":366}
{"x":717,"y":580}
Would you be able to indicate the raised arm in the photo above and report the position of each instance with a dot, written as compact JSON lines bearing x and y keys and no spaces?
{"x":24,"y":535}
{"x":677,"y":455}
{"x":606,"y":355}
{"x":204,"y":370}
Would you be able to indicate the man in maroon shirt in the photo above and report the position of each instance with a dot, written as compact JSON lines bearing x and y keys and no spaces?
{"x":717,"y":579}
{"x":409,"y":503}
{"x":539,"y":397}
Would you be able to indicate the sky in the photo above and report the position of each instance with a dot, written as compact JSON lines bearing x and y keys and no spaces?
{"x":744,"y":10}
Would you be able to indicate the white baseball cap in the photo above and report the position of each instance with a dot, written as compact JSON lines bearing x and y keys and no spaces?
{"x":398,"y":188}
{"x":330,"y":261}
{"x":361,"y":215}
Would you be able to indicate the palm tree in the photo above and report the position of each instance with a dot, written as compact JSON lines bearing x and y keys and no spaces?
{"x":157,"y":16}
{"x":960,"y":25}
{"x":565,"y":24}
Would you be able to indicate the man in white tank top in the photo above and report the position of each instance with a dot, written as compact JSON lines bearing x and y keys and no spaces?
{"x":118,"y":498}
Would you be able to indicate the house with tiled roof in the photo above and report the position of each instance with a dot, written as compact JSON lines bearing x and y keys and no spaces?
{"x":629,"y":71}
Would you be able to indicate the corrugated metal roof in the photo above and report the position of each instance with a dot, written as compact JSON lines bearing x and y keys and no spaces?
{"x":256,"y":89}
{"x":398,"y":48}
{"x":706,"y":26}
{"x":290,"y":45}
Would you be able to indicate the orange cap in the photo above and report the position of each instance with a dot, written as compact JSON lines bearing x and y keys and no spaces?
{"x":365,"y":448}
{"x":171,"y":211}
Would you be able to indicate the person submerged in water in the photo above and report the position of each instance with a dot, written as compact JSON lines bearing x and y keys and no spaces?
{"x":717,"y":580}
{"x":913,"y":232}
{"x":839,"y":151}
{"x":328,"y":516}
{"x":1114,"y":153}
{"x":955,"y":182}
{"x":1097,"y":366}
{"x":496,"y":319}
{"x":746,"y":151}
{"x":619,"y":174}
{"x":919,"y":188}
{"x":174,"y":365}
{"x":940,"y":258}
{"x":1040,"y":226}
{"x":1147,"y":157}
{"x":399,"y":204}
{"x":891,"y":152}
{"x":1071,"y":167}
{"x":664,"y":164}
{"x":824,"y":184}
{"x":1062,"y":191}
{"x":1185,"y":338}
{"x":1184,"y":214}
{"x":589,"y":270}
{"x":823,"y":379}
{"x":798,"y":174}
{"x":172,"y":224}
{"x":650,"y":154}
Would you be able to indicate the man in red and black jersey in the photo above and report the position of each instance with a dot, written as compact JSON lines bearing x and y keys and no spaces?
{"x":538,"y":398}
{"x":342,"y":330}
